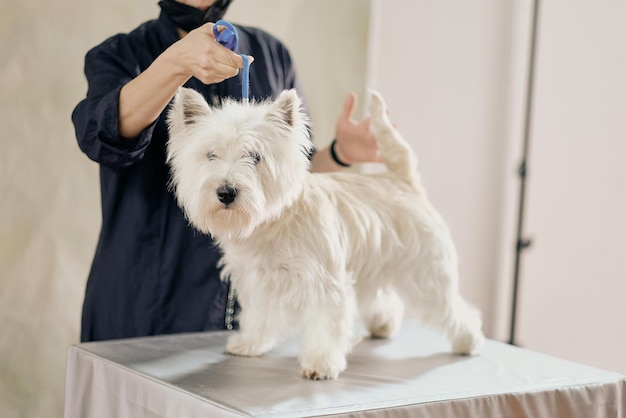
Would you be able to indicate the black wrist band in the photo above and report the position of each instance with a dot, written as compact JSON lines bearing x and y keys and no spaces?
{"x":333,"y":155}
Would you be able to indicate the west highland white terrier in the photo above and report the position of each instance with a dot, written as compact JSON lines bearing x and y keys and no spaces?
{"x":314,"y":250}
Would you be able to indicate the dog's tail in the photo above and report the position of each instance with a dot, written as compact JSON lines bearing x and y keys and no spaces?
{"x":394,"y":150}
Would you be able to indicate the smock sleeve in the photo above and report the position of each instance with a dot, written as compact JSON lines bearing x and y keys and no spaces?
{"x":108,"y":68}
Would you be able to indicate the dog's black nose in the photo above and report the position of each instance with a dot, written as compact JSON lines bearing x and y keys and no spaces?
{"x":226,"y":194}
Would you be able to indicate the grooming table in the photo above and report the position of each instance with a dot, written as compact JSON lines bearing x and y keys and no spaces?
{"x":412,"y":375}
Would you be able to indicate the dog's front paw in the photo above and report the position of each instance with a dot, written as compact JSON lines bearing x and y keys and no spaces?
{"x":241,"y":346}
{"x":323,"y":368}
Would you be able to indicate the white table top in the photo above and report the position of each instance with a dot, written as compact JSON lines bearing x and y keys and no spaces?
{"x":414,"y":374}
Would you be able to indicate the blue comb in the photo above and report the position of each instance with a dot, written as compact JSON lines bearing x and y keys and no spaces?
{"x":229,"y":38}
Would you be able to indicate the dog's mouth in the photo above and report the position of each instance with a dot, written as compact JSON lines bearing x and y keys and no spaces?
{"x":229,"y":221}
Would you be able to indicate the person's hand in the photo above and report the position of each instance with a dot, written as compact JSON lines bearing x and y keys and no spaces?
{"x":355,"y":143}
{"x":199,"y":55}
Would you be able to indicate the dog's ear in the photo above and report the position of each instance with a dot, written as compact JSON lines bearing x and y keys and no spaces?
{"x":286,"y":109}
{"x":187,"y":108}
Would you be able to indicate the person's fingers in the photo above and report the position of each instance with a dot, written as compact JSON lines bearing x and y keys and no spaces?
{"x":225,"y":56}
{"x":208,"y":29}
{"x":366,"y":123}
{"x":219,"y":52}
{"x":348,"y":107}
{"x":239,"y":60}
{"x":225,"y":70}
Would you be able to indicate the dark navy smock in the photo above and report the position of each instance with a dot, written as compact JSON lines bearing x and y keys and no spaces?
{"x":152,"y":273}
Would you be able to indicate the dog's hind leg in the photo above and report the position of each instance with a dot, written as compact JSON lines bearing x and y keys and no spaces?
{"x":381,"y":310}
{"x":460,"y":322}
{"x":464,"y":327}
{"x":442,"y":307}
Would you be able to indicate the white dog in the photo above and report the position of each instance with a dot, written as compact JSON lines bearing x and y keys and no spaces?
{"x":313,"y":249}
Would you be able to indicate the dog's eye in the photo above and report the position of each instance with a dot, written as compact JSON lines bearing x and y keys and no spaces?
{"x":211,"y":156}
{"x":255,"y":156}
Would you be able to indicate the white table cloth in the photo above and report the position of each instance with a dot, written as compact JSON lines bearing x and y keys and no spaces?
{"x":412,"y":375}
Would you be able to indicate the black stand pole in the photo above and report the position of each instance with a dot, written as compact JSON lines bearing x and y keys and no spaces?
{"x":521,"y":242}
